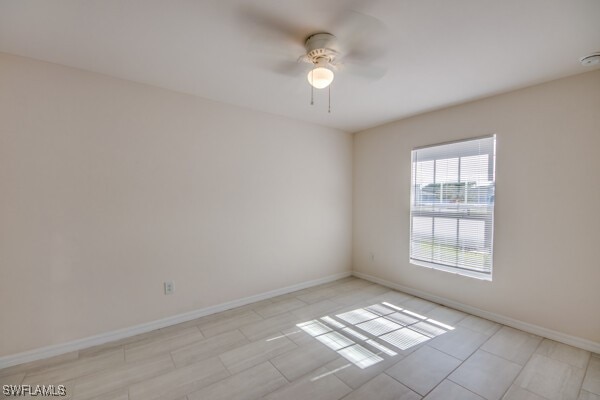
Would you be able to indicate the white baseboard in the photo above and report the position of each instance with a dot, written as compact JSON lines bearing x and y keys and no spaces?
{"x":524,"y":326}
{"x":79,"y":344}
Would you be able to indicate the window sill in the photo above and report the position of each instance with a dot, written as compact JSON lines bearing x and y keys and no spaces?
{"x":456,"y":271}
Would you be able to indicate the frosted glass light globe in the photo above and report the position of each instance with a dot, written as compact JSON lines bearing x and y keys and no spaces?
{"x":320,"y":77}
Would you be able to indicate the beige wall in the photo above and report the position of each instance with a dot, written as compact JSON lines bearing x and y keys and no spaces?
{"x":109,"y":188}
{"x":547,"y":229}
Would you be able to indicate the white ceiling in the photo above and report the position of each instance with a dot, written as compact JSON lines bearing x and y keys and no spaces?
{"x":441,"y":52}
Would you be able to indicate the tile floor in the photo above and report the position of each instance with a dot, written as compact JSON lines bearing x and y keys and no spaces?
{"x":348,"y":339}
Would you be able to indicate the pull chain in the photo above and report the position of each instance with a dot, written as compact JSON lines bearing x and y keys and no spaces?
{"x":312,"y":88}
{"x":329,"y":104}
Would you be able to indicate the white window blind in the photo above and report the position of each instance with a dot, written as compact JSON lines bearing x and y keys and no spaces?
{"x":452,"y":206}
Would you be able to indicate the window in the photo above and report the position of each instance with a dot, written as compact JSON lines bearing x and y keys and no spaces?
{"x":452,"y":206}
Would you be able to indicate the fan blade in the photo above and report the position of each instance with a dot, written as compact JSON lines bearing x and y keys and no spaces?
{"x":361,"y":36}
{"x":289,"y":68}
{"x":269,"y":26}
{"x":370,"y":72}
{"x":362,"y":55}
{"x":282,"y":65}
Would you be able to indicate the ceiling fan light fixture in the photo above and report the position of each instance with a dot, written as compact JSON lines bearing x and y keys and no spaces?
{"x":320,"y":77}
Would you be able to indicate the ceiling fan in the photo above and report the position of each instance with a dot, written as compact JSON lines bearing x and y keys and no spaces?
{"x":352,"y":44}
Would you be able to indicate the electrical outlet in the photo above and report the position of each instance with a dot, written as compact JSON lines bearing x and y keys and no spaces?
{"x":169,"y":287}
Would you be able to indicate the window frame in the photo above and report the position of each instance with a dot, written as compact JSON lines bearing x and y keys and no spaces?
{"x":458,"y":270}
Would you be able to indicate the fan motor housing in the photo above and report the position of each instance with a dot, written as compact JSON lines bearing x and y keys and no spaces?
{"x":321,"y":46}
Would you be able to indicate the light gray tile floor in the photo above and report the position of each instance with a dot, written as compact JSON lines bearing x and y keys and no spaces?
{"x":348,"y":339}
